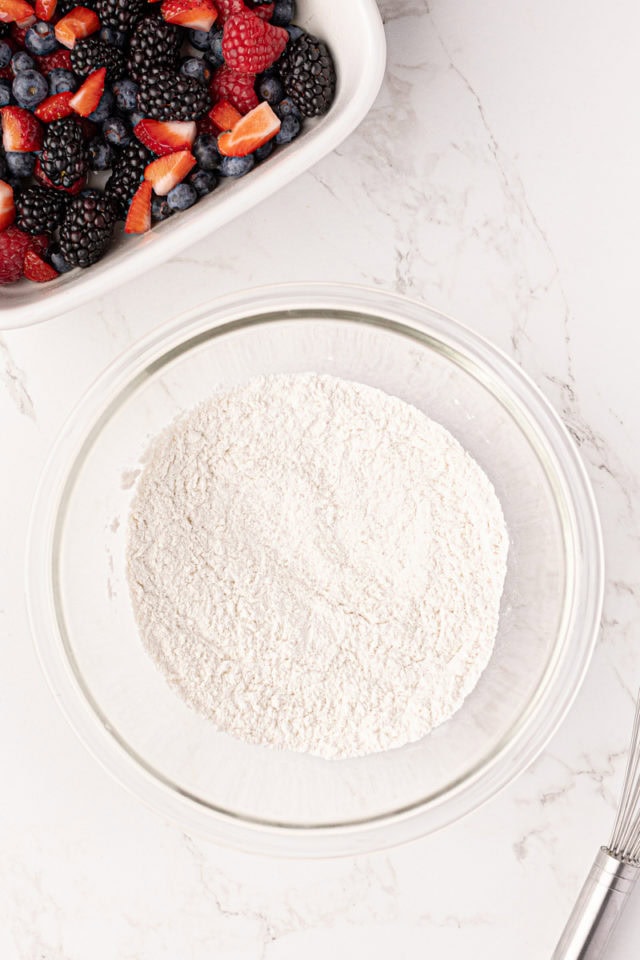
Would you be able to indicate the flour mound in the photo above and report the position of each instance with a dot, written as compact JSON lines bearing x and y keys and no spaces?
{"x":316,"y":566}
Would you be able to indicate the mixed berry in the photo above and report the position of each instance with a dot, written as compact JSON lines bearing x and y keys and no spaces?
{"x":132,"y":110}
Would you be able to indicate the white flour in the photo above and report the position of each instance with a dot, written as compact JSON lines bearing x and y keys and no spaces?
{"x":316,"y":566}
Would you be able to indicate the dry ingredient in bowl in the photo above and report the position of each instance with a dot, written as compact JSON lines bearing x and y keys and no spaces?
{"x":315,"y":565}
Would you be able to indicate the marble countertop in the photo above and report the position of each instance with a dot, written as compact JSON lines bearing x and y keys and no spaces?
{"x":497,"y":179}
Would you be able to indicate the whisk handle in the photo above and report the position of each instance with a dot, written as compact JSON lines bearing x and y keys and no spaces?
{"x":601,"y":901}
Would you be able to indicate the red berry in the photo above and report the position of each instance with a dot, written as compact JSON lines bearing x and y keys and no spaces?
{"x":166,"y":136}
{"x":61,"y":59}
{"x":167,"y":172}
{"x":55,"y":107}
{"x":224,"y":116}
{"x":21,"y":131}
{"x":250,"y":132}
{"x":196,"y":14}
{"x":14,"y":10}
{"x":14,"y":244}
{"x":87,"y":97}
{"x":139,"y":215}
{"x":18,"y":33}
{"x":264,"y":11}
{"x":250,"y":44}
{"x":37,"y":269}
{"x":237,"y":88}
{"x":45,"y":9}
{"x":228,"y":8}
{"x":7,"y":206}
{"x":79,"y":23}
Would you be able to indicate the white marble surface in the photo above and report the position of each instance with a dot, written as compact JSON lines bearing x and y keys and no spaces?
{"x":497,"y":179}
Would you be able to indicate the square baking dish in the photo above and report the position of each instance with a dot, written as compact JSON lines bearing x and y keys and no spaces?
{"x":355,"y":36}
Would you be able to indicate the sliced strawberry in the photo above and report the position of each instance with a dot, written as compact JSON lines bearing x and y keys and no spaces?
{"x":87,"y":97}
{"x":237,"y":88}
{"x":15,"y":11}
{"x":264,"y":11}
{"x":45,"y":9}
{"x":7,"y":206}
{"x":167,"y":172}
{"x":224,"y":115}
{"x":251,"y":132}
{"x":195,"y":14}
{"x":37,"y":269}
{"x":165,"y":137}
{"x":42,"y":178}
{"x":55,"y":107}
{"x":21,"y":131}
{"x":61,"y":59}
{"x":76,"y":25}
{"x":250,"y":44}
{"x":139,"y":215}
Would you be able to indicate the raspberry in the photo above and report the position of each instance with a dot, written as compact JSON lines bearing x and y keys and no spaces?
{"x":228,"y":8}
{"x":237,"y":88}
{"x":13,"y":248}
{"x":250,"y":44}
{"x":60,"y":60}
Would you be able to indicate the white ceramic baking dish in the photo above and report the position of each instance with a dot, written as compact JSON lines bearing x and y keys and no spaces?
{"x":354,"y":32}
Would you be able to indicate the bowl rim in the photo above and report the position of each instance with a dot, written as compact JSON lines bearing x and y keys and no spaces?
{"x":549,"y":704}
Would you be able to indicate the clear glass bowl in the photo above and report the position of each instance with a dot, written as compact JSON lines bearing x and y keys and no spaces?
{"x":279,"y":802}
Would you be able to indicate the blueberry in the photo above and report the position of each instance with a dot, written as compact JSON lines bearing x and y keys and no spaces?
{"x":3,"y":166}
{"x":199,"y":39}
{"x":136,"y":117}
{"x":289,"y":130}
{"x":5,"y":54}
{"x":182,"y":197}
{"x":116,"y":132}
{"x":60,"y":81}
{"x":160,"y":208}
{"x":214,"y":54}
{"x":203,"y":181}
{"x":113,"y":37}
{"x":125,"y":92}
{"x":22,"y":61}
{"x":205,"y":150}
{"x":58,"y":262}
{"x":21,"y":164}
{"x":271,"y":89}
{"x":264,"y":151}
{"x":104,"y":109}
{"x":197,"y":68}
{"x":283,"y":13}
{"x":236,"y":166}
{"x":40,"y":39}
{"x":286,"y":108}
{"x":5,"y":93}
{"x":29,"y":88}
{"x":294,"y":32}
{"x":101,"y":155}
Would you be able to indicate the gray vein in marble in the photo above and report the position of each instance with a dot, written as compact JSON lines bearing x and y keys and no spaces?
{"x":15,"y":382}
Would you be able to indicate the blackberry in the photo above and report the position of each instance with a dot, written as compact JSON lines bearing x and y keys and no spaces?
{"x":90,"y":54}
{"x":121,"y":14}
{"x":308,"y":74}
{"x":127,"y":174}
{"x":39,"y":210}
{"x":170,"y":97}
{"x":87,"y":228}
{"x":64,"y":152}
{"x":154,"y":48}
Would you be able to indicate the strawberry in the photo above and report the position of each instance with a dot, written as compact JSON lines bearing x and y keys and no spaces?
{"x":55,"y":107}
{"x":139,"y":215}
{"x":35,"y":268}
{"x":76,"y":25}
{"x":167,"y":172}
{"x":7,"y":206}
{"x":195,"y":14}
{"x":228,"y":8}
{"x":15,"y":11}
{"x":45,"y":9}
{"x":42,"y":178}
{"x":237,"y":88}
{"x":251,"y":132}
{"x":224,"y":115}
{"x":14,"y":244}
{"x":87,"y":97}
{"x":250,"y":44}
{"x":21,"y":131}
{"x":52,"y":61}
{"x":264,"y":11}
{"x":165,"y":137}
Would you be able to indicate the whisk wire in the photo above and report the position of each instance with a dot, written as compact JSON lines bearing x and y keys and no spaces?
{"x":625,"y":839}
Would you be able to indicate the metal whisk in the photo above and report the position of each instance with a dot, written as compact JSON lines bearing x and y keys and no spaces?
{"x":613,"y":874}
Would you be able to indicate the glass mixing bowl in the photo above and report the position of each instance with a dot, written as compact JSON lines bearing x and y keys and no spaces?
{"x":279,"y":802}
